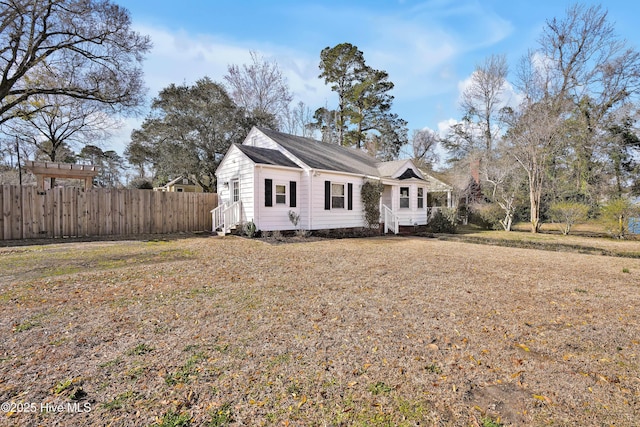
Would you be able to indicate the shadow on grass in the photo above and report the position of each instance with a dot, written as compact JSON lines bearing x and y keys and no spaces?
{"x":536,"y":244}
{"x":139,"y":238}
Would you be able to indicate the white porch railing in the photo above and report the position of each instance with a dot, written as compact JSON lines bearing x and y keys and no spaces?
{"x":391,"y":222}
{"x":226,"y":216}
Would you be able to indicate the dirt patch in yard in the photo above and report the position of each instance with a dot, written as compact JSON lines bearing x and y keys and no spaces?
{"x":377,"y":331}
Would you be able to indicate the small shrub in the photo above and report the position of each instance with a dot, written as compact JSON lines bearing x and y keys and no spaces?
{"x":487,"y":215}
{"x":566,"y":214}
{"x":443,"y":221}
{"x":294,"y":217}
{"x":249,"y":229}
{"x":615,"y":216}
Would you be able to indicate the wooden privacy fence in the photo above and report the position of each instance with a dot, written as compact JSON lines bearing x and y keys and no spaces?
{"x":73,"y":212}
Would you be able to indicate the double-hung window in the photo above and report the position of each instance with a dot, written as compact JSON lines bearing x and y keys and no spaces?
{"x":280,"y":190}
{"x":337,"y":196}
{"x":420,"y":198}
{"x":281,"y":194}
{"x":404,"y":197}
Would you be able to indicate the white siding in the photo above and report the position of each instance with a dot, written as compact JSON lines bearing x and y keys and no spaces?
{"x":236,"y":165}
{"x":336,"y":218}
{"x":310,"y":189}
{"x":412,"y":215}
{"x":386,"y":197}
{"x":276,"y":217}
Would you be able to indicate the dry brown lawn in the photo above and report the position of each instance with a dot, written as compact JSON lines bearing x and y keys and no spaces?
{"x":366,"y":332}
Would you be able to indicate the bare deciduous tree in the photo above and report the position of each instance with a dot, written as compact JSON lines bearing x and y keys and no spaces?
{"x":79,"y":49}
{"x":299,"y":120}
{"x":259,"y":87}
{"x":502,"y":176}
{"x":424,"y":143}
{"x":64,"y":122}
{"x":596,"y":70}
{"x":534,"y":138}
{"x":482,"y":99}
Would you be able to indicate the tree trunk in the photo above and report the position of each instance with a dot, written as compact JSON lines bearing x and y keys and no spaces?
{"x":534,"y":199}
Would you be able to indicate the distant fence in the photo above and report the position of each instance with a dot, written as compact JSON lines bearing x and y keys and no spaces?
{"x":26,"y":213}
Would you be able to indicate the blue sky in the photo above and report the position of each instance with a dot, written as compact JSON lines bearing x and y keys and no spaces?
{"x":429,"y":48}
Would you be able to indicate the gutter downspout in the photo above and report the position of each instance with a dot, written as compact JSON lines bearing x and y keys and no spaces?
{"x":256,"y":197}
{"x":310,"y":200}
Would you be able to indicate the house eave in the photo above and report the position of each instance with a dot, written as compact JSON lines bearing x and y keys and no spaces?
{"x":268,"y":166}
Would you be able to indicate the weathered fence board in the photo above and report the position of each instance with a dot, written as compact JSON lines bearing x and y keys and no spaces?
{"x":26,"y":213}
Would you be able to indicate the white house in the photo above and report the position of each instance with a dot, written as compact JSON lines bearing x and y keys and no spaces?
{"x":272,"y":173}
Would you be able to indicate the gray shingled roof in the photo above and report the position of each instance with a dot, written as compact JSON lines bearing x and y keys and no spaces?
{"x":321,"y":155}
{"x":386,"y":169}
{"x":266,"y":156}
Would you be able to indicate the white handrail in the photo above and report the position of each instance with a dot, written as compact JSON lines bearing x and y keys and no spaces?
{"x":391,"y":222}
{"x":231,"y":215}
{"x":217,"y":217}
{"x":226,"y":216}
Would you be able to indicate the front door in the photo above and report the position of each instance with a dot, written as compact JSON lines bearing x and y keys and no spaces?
{"x":235,"y":190}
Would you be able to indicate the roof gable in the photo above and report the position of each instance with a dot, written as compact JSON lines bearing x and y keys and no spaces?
{"x":400,"y":169}
{"x":407,"y":174}
{"x":180,"y":181}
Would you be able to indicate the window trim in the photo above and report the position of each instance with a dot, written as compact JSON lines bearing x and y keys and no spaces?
{"x":343,"y":196}
{"x":234,"y":185}
{"x":407,"y":198}
{"x":284,"y":194}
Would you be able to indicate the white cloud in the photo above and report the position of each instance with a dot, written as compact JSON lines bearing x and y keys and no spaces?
{"x":421,"y":49}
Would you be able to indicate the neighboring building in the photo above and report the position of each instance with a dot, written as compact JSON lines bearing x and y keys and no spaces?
{"x":180,"y":185}
{"x":273,"y":173}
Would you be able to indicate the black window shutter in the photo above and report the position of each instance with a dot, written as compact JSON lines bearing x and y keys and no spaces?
{"x":350,"y":196}
{"x":292,"y":196}
{"x":268,"y":192}
{"x":327,"y":195}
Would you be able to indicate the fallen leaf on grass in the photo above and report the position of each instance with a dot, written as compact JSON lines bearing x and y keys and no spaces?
{"x":303,"y":400}
{"x":517,"y":374}
{"x":542,"y":398}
